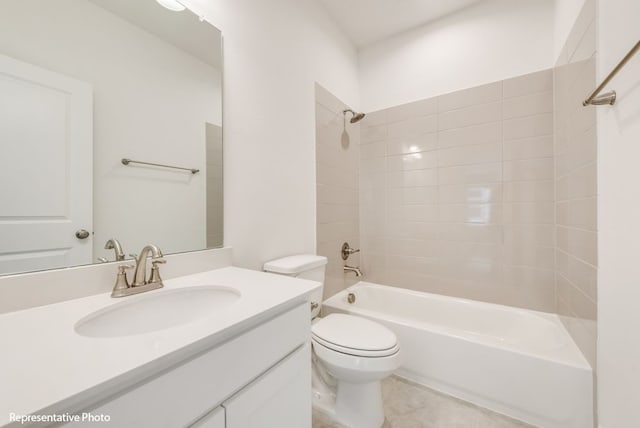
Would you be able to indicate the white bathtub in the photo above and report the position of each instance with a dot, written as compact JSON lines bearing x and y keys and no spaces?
{"x":514,"y":361}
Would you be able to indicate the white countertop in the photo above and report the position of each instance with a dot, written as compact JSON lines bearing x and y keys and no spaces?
{"x":45,"y":366}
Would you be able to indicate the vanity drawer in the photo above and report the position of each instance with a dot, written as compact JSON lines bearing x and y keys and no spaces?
{"x":181,"y":396}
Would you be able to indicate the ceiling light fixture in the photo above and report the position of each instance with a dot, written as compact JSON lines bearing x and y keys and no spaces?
{"x":173,"y":5}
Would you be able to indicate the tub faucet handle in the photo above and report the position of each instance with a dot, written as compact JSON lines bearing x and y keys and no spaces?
{"x":347,"y":251}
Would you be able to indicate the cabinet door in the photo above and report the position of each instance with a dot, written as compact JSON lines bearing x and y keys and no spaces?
{"x":279,"y":398}
{"x":213,"y":419}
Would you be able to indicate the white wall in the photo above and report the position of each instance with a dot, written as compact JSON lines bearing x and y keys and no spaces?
{"x":618,"y":214}
{"x":133,"y":74}
{"x":565,"y":14}
{"x":490,"y":41}
{"x":274,"y":52}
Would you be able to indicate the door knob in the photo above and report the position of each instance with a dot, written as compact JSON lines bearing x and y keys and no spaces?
{"x":82,"y":234}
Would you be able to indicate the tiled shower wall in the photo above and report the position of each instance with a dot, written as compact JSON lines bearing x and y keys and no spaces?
{"x":457,"y":194}
{"x":576,"y":197}
{"x":337,"y":184}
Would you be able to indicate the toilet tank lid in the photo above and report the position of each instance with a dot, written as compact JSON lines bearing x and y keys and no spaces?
{"x":293,"y":265}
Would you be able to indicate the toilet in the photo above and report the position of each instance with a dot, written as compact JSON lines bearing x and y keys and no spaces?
{"x":351,"y":354}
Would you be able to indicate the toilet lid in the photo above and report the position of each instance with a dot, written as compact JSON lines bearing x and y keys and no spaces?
{"x":354,"y":335}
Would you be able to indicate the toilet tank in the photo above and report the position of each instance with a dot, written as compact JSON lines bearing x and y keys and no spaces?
{"x":304,"y":266}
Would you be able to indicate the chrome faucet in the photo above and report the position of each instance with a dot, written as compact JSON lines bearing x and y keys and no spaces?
{"x":140,"y":283}
{"x":353,"y":269}
{"x":114,"y":244}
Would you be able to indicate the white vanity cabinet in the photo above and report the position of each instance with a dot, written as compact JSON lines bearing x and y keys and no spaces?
{"x":258,"y":378}
{"x":279,"y":398}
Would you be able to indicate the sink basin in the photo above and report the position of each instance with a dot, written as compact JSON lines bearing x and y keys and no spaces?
{"x":157,"y":311}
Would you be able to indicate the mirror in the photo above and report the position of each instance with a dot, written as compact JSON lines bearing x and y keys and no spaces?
{"x":85,"y":84}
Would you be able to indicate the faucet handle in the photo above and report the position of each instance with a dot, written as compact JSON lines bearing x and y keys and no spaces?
{"x":122,"y":283}
{"x":155,"y":270}
{"x":346,"y":251}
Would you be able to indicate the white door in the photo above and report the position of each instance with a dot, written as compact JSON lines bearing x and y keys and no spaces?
{"x":46,"y":163}
{"x":279,"y":398}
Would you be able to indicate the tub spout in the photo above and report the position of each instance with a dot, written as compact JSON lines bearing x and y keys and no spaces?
{"x":355,"y":270}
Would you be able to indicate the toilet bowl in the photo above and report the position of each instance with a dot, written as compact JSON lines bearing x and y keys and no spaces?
{"x":358,"y":353}
{"x":351,"y":354}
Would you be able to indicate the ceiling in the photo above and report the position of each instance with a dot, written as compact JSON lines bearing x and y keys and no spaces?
{"x":368,"y":21}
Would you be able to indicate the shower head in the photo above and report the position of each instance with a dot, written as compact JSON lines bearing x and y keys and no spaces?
{"x":356,"y":117}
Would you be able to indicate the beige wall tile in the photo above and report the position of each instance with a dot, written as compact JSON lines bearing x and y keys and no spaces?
{"x":373,"y":133}
{"x":528,"y":235}
{"x":469,"y":116}
{"x":417,"y":178}
{"x":541,"y":81}
{"x":471,"y":174}
{"x":582,"y":183}
{"x":582,"y":306}
{"x":528,"y":105}
{"x":420,"y":195}
{"x":374,"y":118}
{"x":420,"y":213}
{"x":464,"y":203}
{"x":334,"y":213}
{"x":471,"y":213}
{"x":412,"y":161}
{"x":413,"y":144}
{"x":529,"y":170}
{"x":416,"y":109}
{"x":528,"y":126}
{"x":470,"y":97}
{"x":326,"y":99}
{"x":529,"y":287}
{"x":582,"y":213}
{"x":583,"y":245}
{"x":371,"y":150}
{"x":534,"y":257}
{"x":582,"y":150}
{"x":372,"y":165}
{"x":562,"y":213}
{"x":338,"y":154}
{"x":478,"y":134}
{"x":470,"y":194}
{"x":583,"y":276}
{"x":475,"y":253}
{"x":470,"y":155}
{"x":413,"y":127}
{"x":529,"y":212}
{"x":471,"y":232}
{"x":335,"y":194}
{"x":529,"y":191}
{"x":413,"y":248}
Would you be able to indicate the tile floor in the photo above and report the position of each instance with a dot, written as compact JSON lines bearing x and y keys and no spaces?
{"x":408,"y":405}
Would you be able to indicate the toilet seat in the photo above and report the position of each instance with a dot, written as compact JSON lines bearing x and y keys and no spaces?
{"x":353,"y":368}
{"x":353,"y":335}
